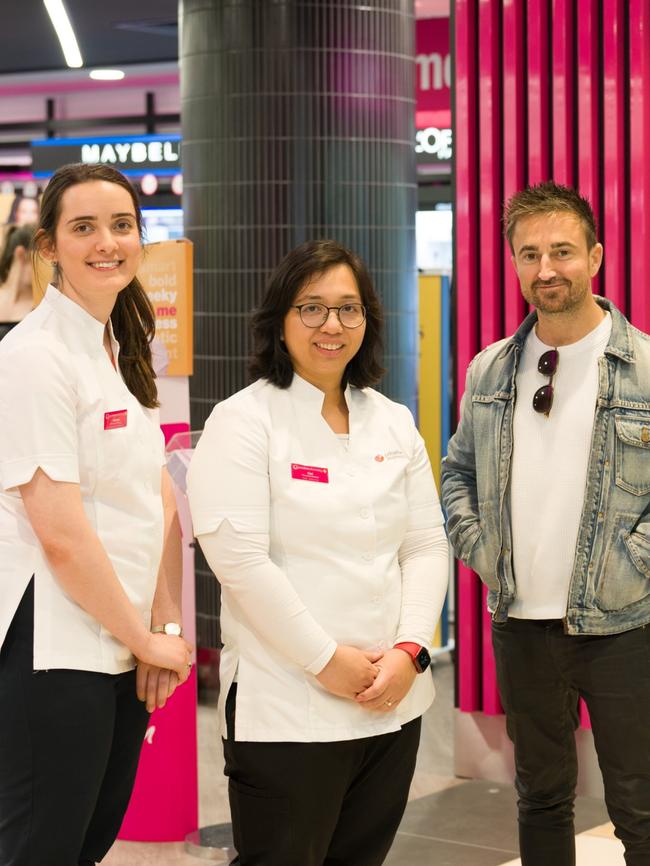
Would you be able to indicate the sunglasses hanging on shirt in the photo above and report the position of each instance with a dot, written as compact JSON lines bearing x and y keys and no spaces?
{"x":543,"y":397}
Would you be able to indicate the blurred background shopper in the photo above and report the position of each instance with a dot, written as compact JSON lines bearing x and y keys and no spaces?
{"x":313,"y":500}
{"x":89,"y":538}
{"x":24,"y":210}
{"x":16,"y":299}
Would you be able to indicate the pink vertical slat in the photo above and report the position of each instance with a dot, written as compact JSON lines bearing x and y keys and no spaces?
{"x":614,"y":151}
{"x":514,"y":119}
{"x":538,"y":91}
{"x":490,"y":171}
{"x":490,"y":234}
{"x":491,"y":701}
{"x":466,"y":235}
{"x":639,"y":170}
{"x":563,"y":81}
{"x":589,"y":113}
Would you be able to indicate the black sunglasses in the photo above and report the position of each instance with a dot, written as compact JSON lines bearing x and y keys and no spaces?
{"x":543,"y":397}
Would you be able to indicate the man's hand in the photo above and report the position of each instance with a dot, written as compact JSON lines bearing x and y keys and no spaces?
{"x":155,"y":685}
{"x":349,"y":671}
{"x":394,"y":680}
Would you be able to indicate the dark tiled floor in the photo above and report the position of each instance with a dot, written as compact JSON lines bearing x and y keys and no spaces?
{"x":473,"y":824}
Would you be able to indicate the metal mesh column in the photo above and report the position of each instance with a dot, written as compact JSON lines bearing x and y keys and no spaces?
{"x":298,"y":123}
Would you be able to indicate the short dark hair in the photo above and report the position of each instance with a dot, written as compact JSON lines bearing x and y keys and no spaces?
{"x":132,"y":317}
{"x":270,"y":358}
{"x":547,"y":198}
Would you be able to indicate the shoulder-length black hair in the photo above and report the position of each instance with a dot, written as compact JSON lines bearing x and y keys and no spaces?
{"x":133,"y":318}
{"x":270,"y":358}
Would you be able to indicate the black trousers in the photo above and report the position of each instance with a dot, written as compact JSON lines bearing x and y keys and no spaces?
{"x":318,"y":804}
{"x":541,"y":673}
{"x":69,"y":747}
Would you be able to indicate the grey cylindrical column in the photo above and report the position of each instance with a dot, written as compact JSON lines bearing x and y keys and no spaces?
{"x":298,"y":123}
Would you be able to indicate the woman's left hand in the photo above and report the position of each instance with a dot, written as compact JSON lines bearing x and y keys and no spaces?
{"x":393,"y":682}
{"x":154,"y":686}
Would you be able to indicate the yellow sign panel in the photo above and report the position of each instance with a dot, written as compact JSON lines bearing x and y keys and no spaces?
{"x":166,"y":276}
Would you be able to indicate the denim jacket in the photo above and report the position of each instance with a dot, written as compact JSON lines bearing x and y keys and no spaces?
{"x":609,"y":590}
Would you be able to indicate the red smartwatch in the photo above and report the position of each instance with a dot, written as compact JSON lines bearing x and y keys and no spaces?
{"x":419,"y":655}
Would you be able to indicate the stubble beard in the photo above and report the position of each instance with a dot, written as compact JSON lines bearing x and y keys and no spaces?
{"x":565,"y":298}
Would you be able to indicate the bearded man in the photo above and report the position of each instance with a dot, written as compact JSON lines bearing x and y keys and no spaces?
{"x":546,"y":486}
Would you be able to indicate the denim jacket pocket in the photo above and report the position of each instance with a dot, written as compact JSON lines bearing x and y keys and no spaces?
{"x":633,"y":453}
{"x":625,"y":577}
{"x":477,"y":558}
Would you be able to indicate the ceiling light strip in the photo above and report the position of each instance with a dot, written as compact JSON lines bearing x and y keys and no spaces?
{"x":64,"y":31}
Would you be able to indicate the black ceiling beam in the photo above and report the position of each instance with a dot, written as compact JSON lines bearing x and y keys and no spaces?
{"x":84,"y":122}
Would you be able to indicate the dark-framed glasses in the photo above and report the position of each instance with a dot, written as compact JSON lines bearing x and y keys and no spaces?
{"x":547,"y":366}
{"x":315,"y":315}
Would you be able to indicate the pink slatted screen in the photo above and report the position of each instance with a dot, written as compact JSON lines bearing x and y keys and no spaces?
{"x":468,"y":629}
{"x":544,"y":89}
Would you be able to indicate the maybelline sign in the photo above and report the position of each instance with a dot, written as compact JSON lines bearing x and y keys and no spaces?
{"x":159,"y":154}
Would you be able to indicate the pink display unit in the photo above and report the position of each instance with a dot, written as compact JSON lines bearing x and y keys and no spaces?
{"x":164,"y":804}
{"x":543,"y":89}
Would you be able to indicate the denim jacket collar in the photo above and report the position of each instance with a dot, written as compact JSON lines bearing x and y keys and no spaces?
{"x":620,"y":341}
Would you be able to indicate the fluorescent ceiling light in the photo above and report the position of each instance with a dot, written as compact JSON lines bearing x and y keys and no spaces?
{"x":107,"y":74}
{"x":63,"y":27}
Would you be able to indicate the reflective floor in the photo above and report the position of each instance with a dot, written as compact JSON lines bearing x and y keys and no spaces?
{"x":448,"y":822}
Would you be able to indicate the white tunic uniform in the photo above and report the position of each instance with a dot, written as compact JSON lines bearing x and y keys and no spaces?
{"x":327,"y":542}
{"x":65,"y":409}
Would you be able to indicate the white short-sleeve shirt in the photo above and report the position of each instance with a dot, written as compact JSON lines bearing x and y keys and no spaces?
{"x":336,"y":514}
{"x":65,"y":409}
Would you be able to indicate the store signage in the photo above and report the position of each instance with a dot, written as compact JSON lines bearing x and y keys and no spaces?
{"x":166,"y":276}
{"x":433,"y":65}
{"x":136,"y":152}
{"x":434,"y":142}
{"x":157,"y":154}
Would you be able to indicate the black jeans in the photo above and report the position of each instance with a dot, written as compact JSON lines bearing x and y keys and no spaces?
{"x":69,"y":747}
{"x":541,"y":673}
{"x":318,"y":804}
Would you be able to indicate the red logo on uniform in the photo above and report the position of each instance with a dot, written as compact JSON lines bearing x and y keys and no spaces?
{"x":379,"y":458}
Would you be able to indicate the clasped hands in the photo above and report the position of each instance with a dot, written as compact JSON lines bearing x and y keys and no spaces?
{"x":375,"y":680}
{"x":163,"y":663}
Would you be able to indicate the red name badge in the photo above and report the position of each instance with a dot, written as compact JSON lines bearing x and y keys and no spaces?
{"x":113,"y":420}
{"x":309,"y":473}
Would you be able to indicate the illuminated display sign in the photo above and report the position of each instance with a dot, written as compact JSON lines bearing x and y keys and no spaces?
{"x":433,"y":143}
{"x":433,"y":73}
{"x":156,"y":154}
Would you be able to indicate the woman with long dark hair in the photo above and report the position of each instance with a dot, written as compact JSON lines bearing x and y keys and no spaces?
{"x":16,"y":296}
{"x":313,"y":500}
{"x":90,"y":560}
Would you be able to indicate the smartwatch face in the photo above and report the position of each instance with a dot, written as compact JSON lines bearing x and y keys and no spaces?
{"x":422,"y":660}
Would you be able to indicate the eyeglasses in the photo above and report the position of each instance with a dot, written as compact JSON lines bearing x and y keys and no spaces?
{"x":315,"y":315}
{"x":547,"y":366}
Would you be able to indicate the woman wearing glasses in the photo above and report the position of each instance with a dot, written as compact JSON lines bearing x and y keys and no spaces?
{"x":314,"y":503}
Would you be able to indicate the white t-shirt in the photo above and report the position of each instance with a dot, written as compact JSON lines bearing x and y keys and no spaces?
{"x":549,"y":471}
{"x":315,"y":544}
{"x":65,"y":409}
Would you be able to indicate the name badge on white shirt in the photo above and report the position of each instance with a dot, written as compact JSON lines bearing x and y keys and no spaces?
{"x":113,"y":420}
{"x":310,"y":473}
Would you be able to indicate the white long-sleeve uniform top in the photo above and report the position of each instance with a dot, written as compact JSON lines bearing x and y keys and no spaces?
{"x":316,"y":544}
{"x":66,"y":410}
